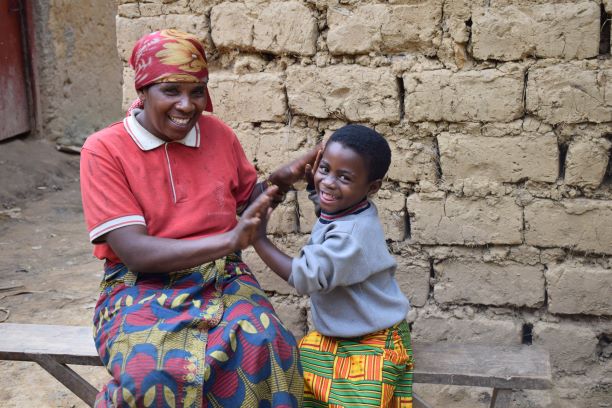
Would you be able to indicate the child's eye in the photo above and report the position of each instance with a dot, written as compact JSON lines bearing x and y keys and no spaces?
{"x":344,"y":178}
{"x":323,"y":170}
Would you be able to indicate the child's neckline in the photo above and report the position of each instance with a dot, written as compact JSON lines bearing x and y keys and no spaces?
{"x":361,"y":206}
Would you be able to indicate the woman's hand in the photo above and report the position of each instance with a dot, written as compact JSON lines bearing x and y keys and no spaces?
{"x":246,"y":231}
{"x":286,"y":175}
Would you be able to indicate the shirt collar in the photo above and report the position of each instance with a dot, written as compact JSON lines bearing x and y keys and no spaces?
{"x":145,"y":140}
{"x":361,"y":206}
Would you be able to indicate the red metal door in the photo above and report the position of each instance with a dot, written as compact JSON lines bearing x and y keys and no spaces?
{"x":14,"y":112}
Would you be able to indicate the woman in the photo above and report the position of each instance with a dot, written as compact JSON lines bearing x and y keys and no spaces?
{"x":181,"y":321}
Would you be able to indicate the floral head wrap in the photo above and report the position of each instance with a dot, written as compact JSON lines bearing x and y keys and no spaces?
{"x":169,"y":56}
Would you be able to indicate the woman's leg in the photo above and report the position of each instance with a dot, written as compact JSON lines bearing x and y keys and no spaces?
{"x":253,"y":358}
{"x":151,"y":334}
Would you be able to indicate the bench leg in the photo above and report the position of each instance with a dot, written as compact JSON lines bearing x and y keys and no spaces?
{"x":418,"y":402}
{"x":501,"y":398}
{"x":69,"y":378}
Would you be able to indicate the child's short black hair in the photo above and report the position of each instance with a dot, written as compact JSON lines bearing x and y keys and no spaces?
{"x":369,"y":144}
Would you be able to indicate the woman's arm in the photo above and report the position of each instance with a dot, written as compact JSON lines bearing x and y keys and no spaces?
{"x":144,"y":253}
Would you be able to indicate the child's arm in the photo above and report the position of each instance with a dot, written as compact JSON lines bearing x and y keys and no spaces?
{"x":276,"y":260}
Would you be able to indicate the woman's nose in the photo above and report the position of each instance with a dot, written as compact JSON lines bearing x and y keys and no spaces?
{"x":184,"y":103}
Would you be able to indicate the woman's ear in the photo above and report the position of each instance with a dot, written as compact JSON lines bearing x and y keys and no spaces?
{"x":374,"y":187}
{"x":141,"y":95}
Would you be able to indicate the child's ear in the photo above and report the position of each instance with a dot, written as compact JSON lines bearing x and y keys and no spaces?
{"x":374,"y":187}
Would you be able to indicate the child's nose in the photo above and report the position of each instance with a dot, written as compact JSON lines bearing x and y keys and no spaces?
{"x":329,"y":181}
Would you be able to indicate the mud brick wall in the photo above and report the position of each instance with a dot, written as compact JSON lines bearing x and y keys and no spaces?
{"x":498,"y":204}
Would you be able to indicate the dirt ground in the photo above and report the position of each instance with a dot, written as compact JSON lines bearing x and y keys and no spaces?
{"x":47,"y":272}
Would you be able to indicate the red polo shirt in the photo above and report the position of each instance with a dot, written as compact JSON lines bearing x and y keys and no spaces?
{"x":184,"y":190}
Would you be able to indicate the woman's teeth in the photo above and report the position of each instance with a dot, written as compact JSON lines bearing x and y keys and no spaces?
{"x":179,"y":121}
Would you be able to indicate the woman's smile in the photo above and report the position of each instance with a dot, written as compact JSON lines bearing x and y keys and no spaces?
{"x":180,"y":121}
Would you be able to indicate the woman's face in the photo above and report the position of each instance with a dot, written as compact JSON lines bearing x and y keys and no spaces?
{"x":171,"y":109}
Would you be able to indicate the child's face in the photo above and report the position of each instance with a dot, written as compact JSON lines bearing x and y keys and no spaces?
{"x":341,"y":180}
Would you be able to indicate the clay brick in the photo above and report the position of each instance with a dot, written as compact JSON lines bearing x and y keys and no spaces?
{"x":579,"y":289}
{"x":572,"y":346}
{"x":486,"y":95}
{"x":580,"y":224}
{"x":384,"y":28}
{"x":412,"y":161}
{"x":489,"y":284}
{"x":503,"y":159}
{"x":131,"y":10}
{"x":537,"y":31}
{"x":478,"y":330}
{"x":248,"y":98}
{"x":283,"y":219}
{"x":307,"y":216}
{"x":270,"y":147}
{"x":349,"y":92}
{"x":296,"y":32}
{"x":232,"y":25}
{"x":391,"y":207}
{"x":586,"y":162}
{"x":462,"y":221}
{"x":129,"y":92}
{"x":568,"y":93}
{"x":413,"y":278}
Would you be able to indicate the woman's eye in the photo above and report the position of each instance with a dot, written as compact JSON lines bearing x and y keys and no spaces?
{"x":198,"y":92}
{"x":171,"y":91}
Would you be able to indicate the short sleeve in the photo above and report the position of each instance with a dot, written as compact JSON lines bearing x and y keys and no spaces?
{"x":108,"y":202}
{"x":247,"y":176}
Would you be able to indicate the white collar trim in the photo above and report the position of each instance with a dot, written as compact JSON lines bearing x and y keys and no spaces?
{"x":145,"y":140}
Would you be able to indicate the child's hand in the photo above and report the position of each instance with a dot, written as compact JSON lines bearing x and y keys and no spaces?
{"x":285,"y":176}
{"x":246,"y":231}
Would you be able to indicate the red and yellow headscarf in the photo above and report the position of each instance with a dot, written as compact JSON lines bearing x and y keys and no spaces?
{"x":169,"y":56}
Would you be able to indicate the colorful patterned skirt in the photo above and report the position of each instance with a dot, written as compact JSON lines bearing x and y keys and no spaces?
{"x":202,"y":337}
{"x":370,"y":371}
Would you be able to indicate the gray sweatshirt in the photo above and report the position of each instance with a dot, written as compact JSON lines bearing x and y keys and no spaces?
{"x":349,"y":274}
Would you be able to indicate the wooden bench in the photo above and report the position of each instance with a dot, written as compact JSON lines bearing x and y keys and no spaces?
{"x":502,"y":368}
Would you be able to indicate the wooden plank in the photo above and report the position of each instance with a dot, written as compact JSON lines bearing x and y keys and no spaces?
{"x":501,"y":367}
{"x":66,"y":344}
{"x":73,"y":381}
{"x":519,"y":367}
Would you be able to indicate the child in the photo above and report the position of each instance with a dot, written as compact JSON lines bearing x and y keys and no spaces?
{"x":360,"y":353}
